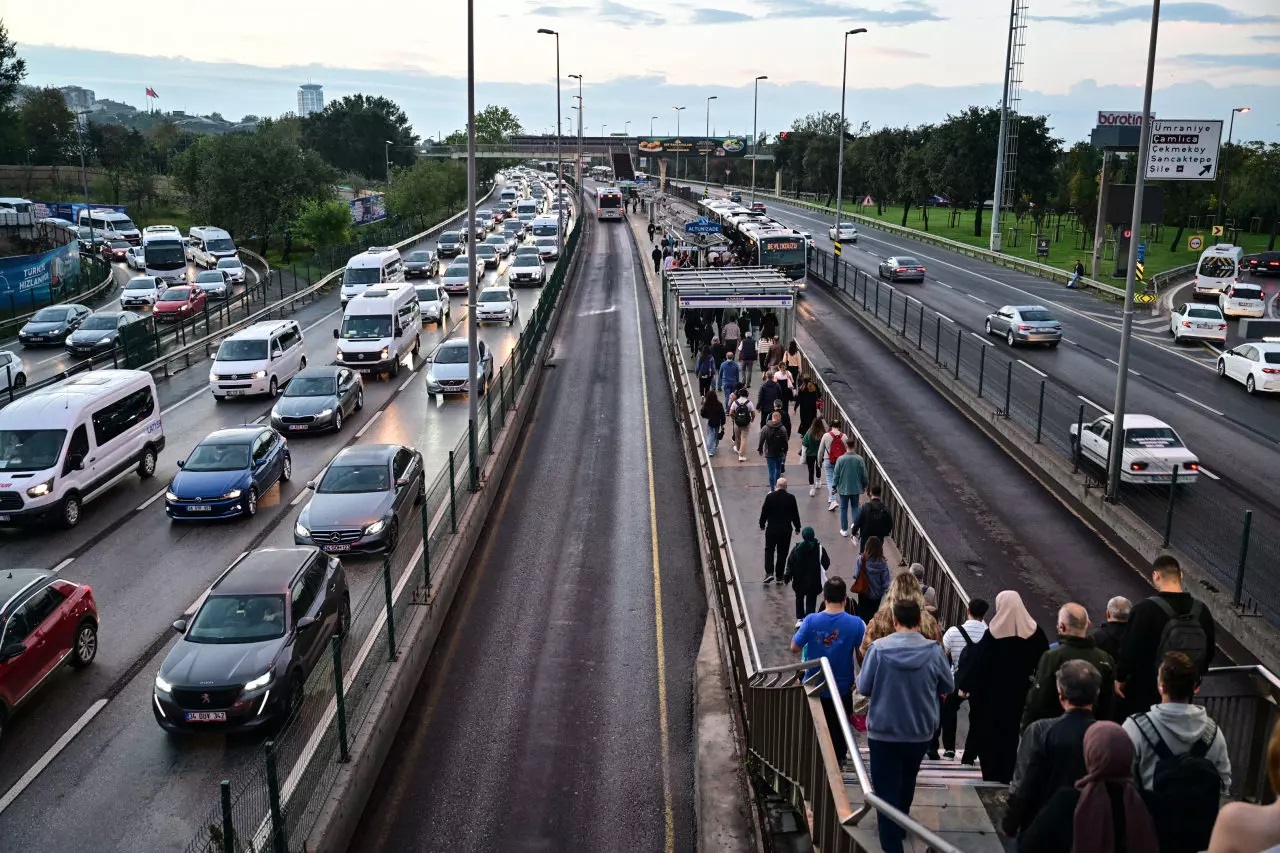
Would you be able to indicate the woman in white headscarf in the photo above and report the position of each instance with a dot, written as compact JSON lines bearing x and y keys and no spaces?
{"x":997,"y":681}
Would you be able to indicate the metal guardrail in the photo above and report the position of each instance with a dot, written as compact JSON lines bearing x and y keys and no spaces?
{"x":10,"y":326}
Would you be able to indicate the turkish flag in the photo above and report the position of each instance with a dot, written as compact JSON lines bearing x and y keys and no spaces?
{"x":151,"y":93}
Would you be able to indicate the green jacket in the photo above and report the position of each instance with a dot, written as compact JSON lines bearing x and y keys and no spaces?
{"x":850,"y":474}
{"x":810,"y":445}
{"x":1042,"y":698}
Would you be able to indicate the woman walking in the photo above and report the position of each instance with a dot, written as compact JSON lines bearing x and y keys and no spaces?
{"x":805,"y":567}
{"x":834,"y":445}
{"x":791,"y":361}
{"x":810,"y":443}
{"x":762,"y":350}
{"x":807,"y":403}
{"x":713,"y":413}
{"x":871,"y":577}
{"x":706,"y":370}
{"x":1004,"y":661}
{"x":904,"y":587}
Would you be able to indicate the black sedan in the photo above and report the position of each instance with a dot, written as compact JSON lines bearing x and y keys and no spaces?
{"x":902,"y":268}
{"x":318,"y":398}
{"x":366,"y":493}
{"x":101,"y":332}
{"x":1264,"y":263}
{"x":244,"y":658}
{"x":52,"y":325}
{"x":421,"y":263}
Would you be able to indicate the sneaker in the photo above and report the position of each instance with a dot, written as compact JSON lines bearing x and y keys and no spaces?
{"x":950,"y":755}
{"x":741,"y":458}
{"x":768,"y":579}
{"x":844,"y":533}
{"x":932,"y":755}
{"x":831,"y":506}
{"x":813,"y":490}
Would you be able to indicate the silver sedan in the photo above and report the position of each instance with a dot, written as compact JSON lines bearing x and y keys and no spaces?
{"x":1025,"y":324}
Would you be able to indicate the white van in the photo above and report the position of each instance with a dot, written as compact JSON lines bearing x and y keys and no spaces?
{"x":64,"y":445}
{"x":509,"y":195}
{"x":378,"y":328}
{"x":258,"y":359}
{"x":1218,"y":269}
{"x":375,"y":265}
{"x":528,"y":205}
{"x":545,"y":226}
{"x":111,"y":224}
{"x":208,"y":245}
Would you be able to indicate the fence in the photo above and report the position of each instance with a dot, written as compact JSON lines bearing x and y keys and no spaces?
{"x":275,"y":797}
{"x":95,"y":276}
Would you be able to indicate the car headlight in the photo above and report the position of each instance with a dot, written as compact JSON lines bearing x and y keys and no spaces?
{"x":299,"y":530}
{"x":212,"y":376}
{"x":374,"y":528}
{"x":261,"y":374}
{"x":261,"y":681}
{"x":231,"y":495}
{"x":170,"y":496}
{"x":162,"y":685}
{"x":385,"y":353}
{"x":41,"y":489}
{"x":340,"y":355}
{"x":324,"y":413}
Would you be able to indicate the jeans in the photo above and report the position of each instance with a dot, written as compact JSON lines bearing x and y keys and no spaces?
{"x":811,"y":463}
{"x":713,"y":439}
{"x":746,"y":366}
{"x":806,"y":603}
{"x":775,"y":469}
{"x":776,"y":545}
{"x":894,"y":767}
{"x":833,"y":724}
{"x":848,"y":508}
{"x":829,"y":475}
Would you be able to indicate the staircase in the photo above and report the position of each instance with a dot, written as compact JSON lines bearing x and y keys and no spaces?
{"x":622,"y":168}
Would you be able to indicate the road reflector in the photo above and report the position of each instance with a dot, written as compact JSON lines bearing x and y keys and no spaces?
{"x":837,"y":248}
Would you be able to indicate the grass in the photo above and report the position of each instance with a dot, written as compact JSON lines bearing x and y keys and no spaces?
{"x":1065,"y":243}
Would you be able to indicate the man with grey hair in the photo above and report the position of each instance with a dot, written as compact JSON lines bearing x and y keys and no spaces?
{"x":1074,"y":643}
{"x":1051,"y":752}
{"x":1110,"y":634}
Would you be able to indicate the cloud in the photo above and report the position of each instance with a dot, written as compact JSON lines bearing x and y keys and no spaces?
{"x":1264,"y":61}
{"x":894,"y":52}
{"x":1266,"y":38}
{"x":719,"y":16}
{"x":1183,"y":12}
{"x":559,"y":11}
{"x":628,"y":16}
{"x":904,"y":13}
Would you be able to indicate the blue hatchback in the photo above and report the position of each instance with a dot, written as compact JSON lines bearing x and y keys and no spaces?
{"x":227,"y":473}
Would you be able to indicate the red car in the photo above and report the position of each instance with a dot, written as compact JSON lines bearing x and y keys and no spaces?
{"x":44,"y":622}
{"x":758,"y":207}
{"x":115,"y":250}
{"x":179,"y":303}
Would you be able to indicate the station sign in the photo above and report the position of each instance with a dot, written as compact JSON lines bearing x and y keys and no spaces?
{"x":737,"y":300}
{"x":1184,"y":150}
{"x":702,"y":225}
{"x":1120,"y":118}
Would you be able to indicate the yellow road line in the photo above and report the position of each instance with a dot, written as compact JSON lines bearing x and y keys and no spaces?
{"x":663,"y":725}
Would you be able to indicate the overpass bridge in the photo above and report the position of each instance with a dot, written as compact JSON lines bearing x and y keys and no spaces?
{"x":545,"y":146}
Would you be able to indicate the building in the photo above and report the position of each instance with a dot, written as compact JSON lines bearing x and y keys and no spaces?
{"x":310,"y":99}
{"x":78,"y":99}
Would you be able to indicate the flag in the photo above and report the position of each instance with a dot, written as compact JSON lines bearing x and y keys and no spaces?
{"x":151,"y":93}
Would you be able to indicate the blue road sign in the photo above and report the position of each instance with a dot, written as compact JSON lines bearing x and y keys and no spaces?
{"x":702,"y":225}
{"x":1142,"y":252}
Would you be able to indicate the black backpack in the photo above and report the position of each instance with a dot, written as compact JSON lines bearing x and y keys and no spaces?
{"x":1183,"y":633}
{"x":1185,"y":789}
{"x":776,"y":441}
{"x":742,"y":413}
{"x":967,"y":656}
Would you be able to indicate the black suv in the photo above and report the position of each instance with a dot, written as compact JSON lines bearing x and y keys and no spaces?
{"x":244,"y":658}
{"x":1266,"y":263}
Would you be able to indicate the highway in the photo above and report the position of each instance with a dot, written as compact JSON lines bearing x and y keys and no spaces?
{"x":555,"y":713}
{"x":132,"y":786}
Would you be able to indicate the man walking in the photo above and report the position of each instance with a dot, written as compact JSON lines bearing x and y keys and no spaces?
{"x":731,"y":334}
{"x":850,"y":476}
{"x":836,"y":635}
{"x":779,"y":516}
{"x":1074,"y":643}
{"x":653,"y":229}
{"x":872,"y":519}
{"x":770,"y":393}
{"x":957,"y":643}
{"x":747,"y":356}
{"x":728,"y":377}
{"x":773,"y":447}
{"x":657,"y":258}
{"x":741,"y":413}
{"x":903,"y":675}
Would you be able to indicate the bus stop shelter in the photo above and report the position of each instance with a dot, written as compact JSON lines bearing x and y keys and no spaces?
{"x":729,"y":292}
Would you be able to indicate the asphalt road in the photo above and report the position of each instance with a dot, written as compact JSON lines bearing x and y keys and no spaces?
{"x":131,"y":786}
{"x":540,"y":722}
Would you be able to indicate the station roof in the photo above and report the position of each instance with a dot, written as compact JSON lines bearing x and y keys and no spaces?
{"x":730,"y":279}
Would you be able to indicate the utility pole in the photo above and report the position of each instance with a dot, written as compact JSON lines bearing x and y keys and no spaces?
{"x":844,"y":78}
{"x":1001,"y":152}
{"x":755,"y":132}
{"x":473,"y":331}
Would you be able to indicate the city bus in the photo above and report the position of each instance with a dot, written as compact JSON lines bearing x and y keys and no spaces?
{"x":781,"y":248}
{"x":163,"y":253}
{"x":609,"y":204}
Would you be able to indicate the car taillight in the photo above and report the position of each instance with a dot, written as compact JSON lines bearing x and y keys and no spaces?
{"x":1191,"y":466}
{"x":1222,"y":328}
{"x":1272,"y":370}
{"x":1137,"y":466}
{"x":1186,"y":323}
{"x":901,"y":269}
{"x":1024,"y":328}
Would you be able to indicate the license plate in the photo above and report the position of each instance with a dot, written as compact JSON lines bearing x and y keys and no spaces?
{"x":1203,"y":326}
{"x":239,"y":393}
{"x":333,"y":548}
{"x":297,"y":426}
{"x":199,"y":508}
{"x":4,"y":518}
{"x":206,"y":716}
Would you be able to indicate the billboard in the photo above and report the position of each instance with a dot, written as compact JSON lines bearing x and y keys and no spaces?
{"x":1184,"y":150}
{"x":368,"y":208}
{"x":715,"y":146}
{"x":38,"y":279}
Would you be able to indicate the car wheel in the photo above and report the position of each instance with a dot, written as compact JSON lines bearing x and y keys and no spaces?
{"x":1177,"y":339}
{"x":337,"y":421}
{"x":1054,"y":344}
{"x":1222,"y":369}
{"x":417,"y":344}
{"x":988,"y":327}
{"x":393,"y":536}
{"x":71,"y":509}
{"x":344,"y":616}
{"x":286,"y":468}
{"x":297,"y":693}
{"x":86,"y":647}
{"x":395,"y":368}
{"x":273,"y":388}
{"x":251,"y":503}
{"x":147,"y":463}
{"x":302,"y":364}
{"x":20,"y":381}
{"x":219,"y":398}
{"x":1008,"y":338}
{"x":360,"y":399}
{"x":1249,"y":386}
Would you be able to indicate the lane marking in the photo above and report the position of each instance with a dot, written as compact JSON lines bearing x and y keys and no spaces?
{"x":1209,"y":474}
{"x":405,"y":384}
{"x":1201,"y":405}
{"x":184,"y":400}
{"x":982,"y":338}
{"x":260,"y":418}
{"x":1112,"y":360}
{"x":50,"y":754}
{"x":149,"y":501}
{"x":322,"y":319}
{"x":977,"y":299}
{"x":58,"y":568}
{"x":1032,"y":369}
{"x":944,"y":284}
{"x":360,"y":432}
{"x":1091,"y":403}
{"x":945,"y":317}
{"x":1073,"y":343}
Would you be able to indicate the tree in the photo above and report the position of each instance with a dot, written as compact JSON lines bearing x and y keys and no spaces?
{"x":321,"y":224}
{"x":914,"y":185}
{"x":13,"y":70}
{"x":116,"y":149}
{"x":1257,"y":192}
{"x":496,"y":124}
{"x":352,"y":135}
{"x":431,"y":189}
{"x":47,"y":126}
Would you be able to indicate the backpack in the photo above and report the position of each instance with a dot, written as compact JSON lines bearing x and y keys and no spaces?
{"x":742,"y":413}
{"x":776,"y":441}
{"x":837,"y":448}
{"x":967,"y":657}
{"x":875,"y":517}
{"x":1183,"y":633}
{"x":1185,"y":788}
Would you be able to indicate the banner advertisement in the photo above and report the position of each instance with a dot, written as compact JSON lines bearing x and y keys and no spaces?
{"x":38,"y":279}
{"x":715,"y":146}
{"x":368,"y":208}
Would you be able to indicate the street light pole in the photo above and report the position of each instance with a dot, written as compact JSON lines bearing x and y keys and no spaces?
{"x":706,"y":169}
{"x":559,"y":156}
{"x":844,"y":77}
{"x":602,"y":129}
{"x":84,"y":175}
{"x":386,"y":156}
{"x":1222,"y":179}
{"x":473,"y":332}
{"x":578,"y":77}
{"x":678,"y":111}
{"x":755,"y":132}
{"x":651,"y":118}
{"x":626,"y":128}
{"x":1135,"y":221}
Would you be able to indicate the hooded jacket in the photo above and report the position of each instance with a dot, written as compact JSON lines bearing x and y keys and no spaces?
{"x":1180,"y":725}
{"x":770,"y":391}
{"x":903,"y":675}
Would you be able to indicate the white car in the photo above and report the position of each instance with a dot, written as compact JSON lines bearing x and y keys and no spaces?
{"x":1151,"y":449}
{"x":143,"y":290}
{"x":433,"y":303}
{"x":845,"y":233}
{"x":1255,"y":365}
{"x":1243,"y":300}
{"x":13,"y":373}
{"x":233,"y":268}
{"x":135,"y":259}
{"x":497,"y":304}
{"x":1194,"y":321}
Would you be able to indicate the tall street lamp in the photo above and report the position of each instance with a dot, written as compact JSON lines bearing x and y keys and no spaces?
{"x":755,"y":132}
{"x":626,"y":128}
{"x":1222,"y":179}
{"x":678,"y":111}
{"x":84,"y":175}
{"x":844,"y":77}
{"x":559,"y":162}
{"x":651,"y":118}
{"x":578,"y":77}
{"x":603,"y":127}
{"x":473,"y":331}
{"x":386,"y":156}
{"x":706,"y":169}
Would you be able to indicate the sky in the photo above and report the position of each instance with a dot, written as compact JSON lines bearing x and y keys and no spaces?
{"x":918,"y":61}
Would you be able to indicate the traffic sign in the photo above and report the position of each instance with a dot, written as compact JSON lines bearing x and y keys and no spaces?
{"x":1142,"y":252}
{"x":1042,"y":247}
{"x":1195,"y":242}
{"x":1184,"y":150}
{"x":1128,"y":232}
{"x":1140,"y":271}
{"x":1216,"y":230}
{"x":702,"y":225}
{"x":837,"y":248}
{"x":868,"y":201}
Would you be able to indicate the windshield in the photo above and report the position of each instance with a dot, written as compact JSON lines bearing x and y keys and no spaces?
{"x":1204,"y":313}
{"x":1151,"y":438}
{"x":238,"y":619}
{"x":495,"y":240}
{"x":526,"y":260}
{"x":175,"y":294}
{"x":846,"y":225}
{"x":245,"y":350}
{"x":210,"y":277}
{"x":51,"y":315}
{"x":100,"y":321}
{"x":451,"y":355}
{"x":141,"y":284}
{"x":1037,"y":316}
{"x":456,"y":271}
{"x":310,"y":386}
{"x":419,"y":257}
{"x":484,"y":250}
{"x":493,"y":296}
{"x":908,"y":262}
{"x":124,"y":224}
{"x":362,"y":275}
{"x":120,"y":244}
{"x":30,"y":449}
{"x":223,"y":245}
{"x":1216,"y":266}
{"x":165,"y":256}
{"x":450,"y":237}
{"x":1271,"y":357}
{"x":353,"y":479}
{"x":610,"y":200}
{"x":427,"y":294}
{"x":229,"y":264}
{"x":218,"y":457}
{"x":366,"y":327}
{"x":544,"y":230}
{"x":545,"y":242}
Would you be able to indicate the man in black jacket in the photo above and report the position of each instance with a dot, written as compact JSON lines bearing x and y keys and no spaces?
{"x":770,"y":393}
{"x":1110,"y":634}
{"x":1147,"y":642}
{"x":779,"y":516}
{"x":773,"y":446}
{"x":872,"y":519}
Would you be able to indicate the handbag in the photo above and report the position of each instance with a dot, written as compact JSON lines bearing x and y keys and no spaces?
{"x":862,"y":583}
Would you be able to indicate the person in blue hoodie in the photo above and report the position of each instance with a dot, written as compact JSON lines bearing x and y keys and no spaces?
{"x":903,"y":675}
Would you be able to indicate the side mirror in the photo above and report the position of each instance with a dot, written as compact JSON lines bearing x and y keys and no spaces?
{"x":311,"y":485}
{"x":76,"y":461}
{"x":402,"y":482}
{"x":399,"y":332}
{"x":305,"y":622}
{"x":182,"y":463}
{"x":335,"y":334}
{"x":12,"y":651}
{"x":180,"y":626}
{"x":275,"y":354}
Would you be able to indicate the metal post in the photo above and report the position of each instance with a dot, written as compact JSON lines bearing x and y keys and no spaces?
{"x":877,"y":311}
{"x":982,"y":368}
{"x":1001,"y":152}
{"x":1008,"y":387}
{"x":1126,"y":328}
{"x":488,"y":419}
{"x":228,"y":825}
{"x":906,"y":309}
{"x":1222,"y":179}
{"x":453,"y":501}
{"x":279,"y":837}
{"x":1168,"y":516}
{"x":937,"y":340}
{"x":473,"y":331}
{"x":1075,"y":451}
{"x":865,"y":286}
{"x":424,"y":517}
{"x":392,"y":655}
{"x":959,"y":339}
{"x":1040,"y":412}
{"x":755,"y":133}
{"x":844,"y":78}
{"x":920,"y":331}
{"x":1100,"y":226}
{"x":344,"y":748}
{"x":890,"y":323}
{"x":1244,"y":552}
{"x":706,"y":169}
